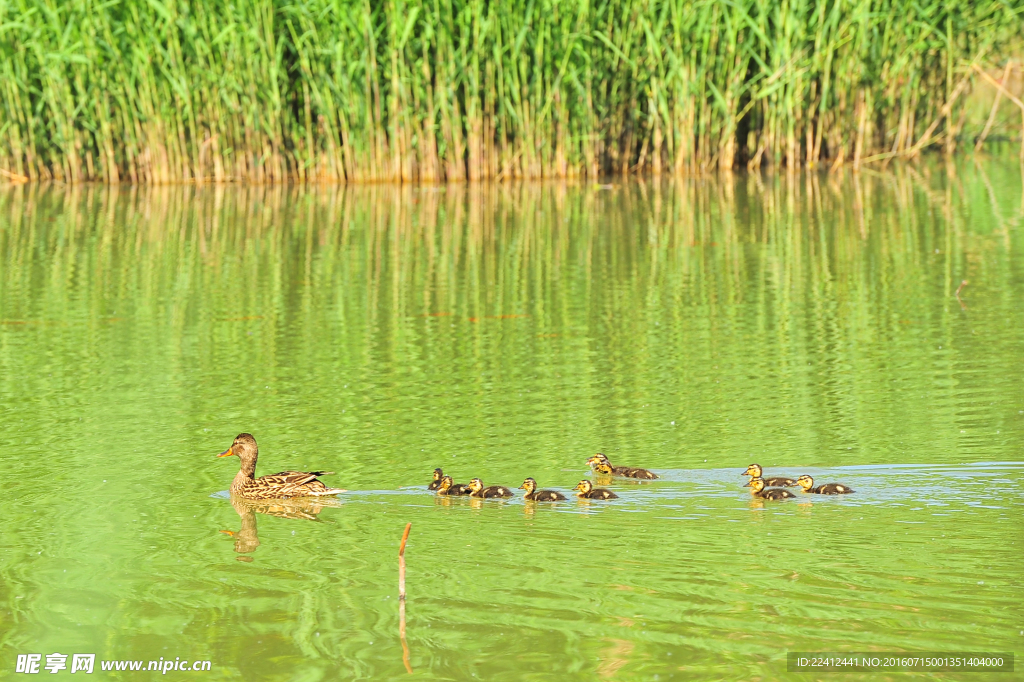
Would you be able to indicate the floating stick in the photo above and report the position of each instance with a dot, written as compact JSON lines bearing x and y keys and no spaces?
{"x":963,"y":283}
{"x":401,"y":563}
{"x":401,"y":599}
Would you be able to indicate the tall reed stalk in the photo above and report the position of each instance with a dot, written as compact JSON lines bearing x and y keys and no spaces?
{"x":444,"y":90}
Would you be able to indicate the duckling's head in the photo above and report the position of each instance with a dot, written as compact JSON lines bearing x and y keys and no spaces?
{"x":806,"y":482}
{"x":476,"y":484}
{"x":529,"y":485}
{"x":446,"y":482}
{"x":584,"y":486}
{"x":438,"y":474}
{"x":604,"y":467}
{"x":597,"y":460}
{"x":756,"y":485}
{"x":244,"y":447}
{"x":753,"y":470}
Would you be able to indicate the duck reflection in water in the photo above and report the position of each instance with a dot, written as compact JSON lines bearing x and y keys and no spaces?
{"x":247,"y":537}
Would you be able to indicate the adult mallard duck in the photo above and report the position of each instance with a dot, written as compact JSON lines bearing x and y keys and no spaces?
{"x":601,"y":465}
{"x":587,"y":491}
{"x":530,"y":486}
{"x":755,"y":471}
{"x":758,"y":489}
{"x":477,"y":489}
{"x":279,"y":485}
{"x":436,"y":483}
{"x":807,"y":483}
{"x":449,"y":489}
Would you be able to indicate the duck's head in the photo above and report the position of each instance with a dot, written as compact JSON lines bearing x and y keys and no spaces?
{"x":446,"y":482}
{"x":438,"y":474}
{"x":584,"y":486}
{"x":753,"y":470}
{"x":244,"y":448}
{"x":596,"y":460}
{"x":529,"y":485}
{"x":476,"y":485}
{"x":806,"y":482}
{"x":756,"y":485}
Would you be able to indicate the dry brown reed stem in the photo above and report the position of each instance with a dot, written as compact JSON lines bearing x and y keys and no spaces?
{"x":995,"y":107}
{"x":943,"y":113}
{"x":925,"y":139}
{"x":401,"y":599}
{"x":1009,"y":96}
{"x":13,"y":177}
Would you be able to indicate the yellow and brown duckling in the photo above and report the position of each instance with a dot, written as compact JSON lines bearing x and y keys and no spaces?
{"x":758,"y":489}
{"x":755,"y":471}
{"x":436,"y":483}
{"x":530,"y":486}
{"x":274,"y":486}
{"x":450,"y":489}
{"x":601,"y":465}
{"x":477,"y":489}
{"x":587,"y":491}
{"x":807,"y":483}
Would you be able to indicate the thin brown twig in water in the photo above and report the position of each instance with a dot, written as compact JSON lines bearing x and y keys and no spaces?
{"x":401,"y":599}
{"x":963,"y":305}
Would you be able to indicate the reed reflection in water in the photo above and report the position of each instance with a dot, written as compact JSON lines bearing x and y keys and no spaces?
{"x":809,"y":323}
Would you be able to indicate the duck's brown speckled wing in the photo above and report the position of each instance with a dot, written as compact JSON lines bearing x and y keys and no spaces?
{"x":783,"y":481}
{"x":601,"y":494}
{"x":833,"y":489}
{"x":456,"y":490}
{"x":634,"y":472}
{"x":289,"y":484}
{"x":497,"y":491}
{"x":776,"y":494}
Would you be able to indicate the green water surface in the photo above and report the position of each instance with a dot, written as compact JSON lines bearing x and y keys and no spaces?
{"x":808,"y":323}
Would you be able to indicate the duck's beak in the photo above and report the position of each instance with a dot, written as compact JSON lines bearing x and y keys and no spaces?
{"x":522,"y":487}
{"x":226,"y":453}
{"x":747,"y":484}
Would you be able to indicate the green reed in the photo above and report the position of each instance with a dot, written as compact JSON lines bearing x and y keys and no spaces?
{"x":418,"y":90}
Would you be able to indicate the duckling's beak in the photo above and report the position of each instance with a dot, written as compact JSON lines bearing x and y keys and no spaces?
{"x":747,"y":484}
{"x":226,"y":453}
{"x":522,"y":487}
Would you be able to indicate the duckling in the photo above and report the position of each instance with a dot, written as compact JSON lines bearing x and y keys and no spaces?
{"x":757,"y":489}
{"x":807,"y":483}
{"x":449,"y":489}
{"x":601,"y":465}
{"x":477,"y":489}
{"x":755,"y":471}
{"x":436,"y":483}
{"x":589,"y":492}
{"x":530,"y":486}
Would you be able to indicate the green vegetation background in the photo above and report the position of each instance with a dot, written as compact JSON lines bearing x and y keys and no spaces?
{"x":430,"y":90}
